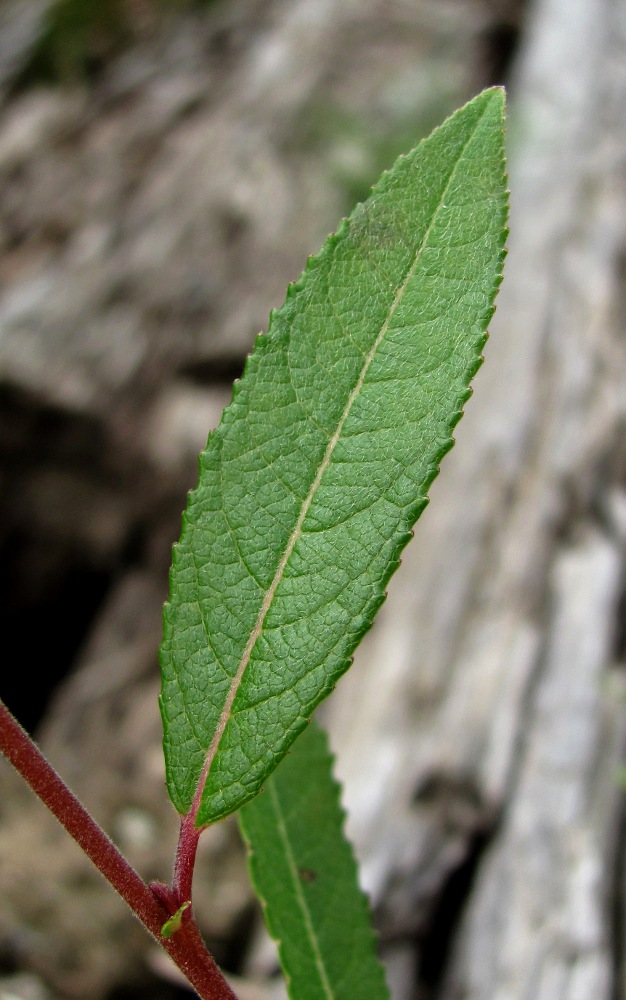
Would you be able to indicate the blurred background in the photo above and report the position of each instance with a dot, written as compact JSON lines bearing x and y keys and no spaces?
{"x":166,"y":166}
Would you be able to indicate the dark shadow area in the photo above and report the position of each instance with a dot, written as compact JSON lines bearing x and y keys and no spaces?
{"x":44,"y":622}
{"x":206,"y":372}
{"x":436,"y":944}
{"x":54,"y":577}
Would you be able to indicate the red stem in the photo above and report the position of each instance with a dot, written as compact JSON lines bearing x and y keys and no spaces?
{"x":185,"y":859}
{"x":186,"y":947}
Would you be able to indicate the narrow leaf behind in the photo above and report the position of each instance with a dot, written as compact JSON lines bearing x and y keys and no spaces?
{"x":310,"y":486}
{"x":304,"y":871}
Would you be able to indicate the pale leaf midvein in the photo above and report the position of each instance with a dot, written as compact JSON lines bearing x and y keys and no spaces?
{"x":297,"y":886}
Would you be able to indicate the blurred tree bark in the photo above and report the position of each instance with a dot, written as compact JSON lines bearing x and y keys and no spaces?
{"x":491,"y":699}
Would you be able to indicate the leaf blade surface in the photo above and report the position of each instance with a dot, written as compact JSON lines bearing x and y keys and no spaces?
{"x":305,"y":873}
{"x":310,"y":486}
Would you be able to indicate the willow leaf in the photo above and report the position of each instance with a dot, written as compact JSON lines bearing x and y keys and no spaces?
{"x":304,"y":871}
{"x":310,"y":486}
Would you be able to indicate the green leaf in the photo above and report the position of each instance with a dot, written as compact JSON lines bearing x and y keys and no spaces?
{"x":305,"y":874}
{"x":175,"y":922}
{"x":310,"y":486}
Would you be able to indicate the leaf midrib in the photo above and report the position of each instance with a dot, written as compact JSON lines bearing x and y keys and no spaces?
{"x":306,"y":505}
{"x":281,"y":827}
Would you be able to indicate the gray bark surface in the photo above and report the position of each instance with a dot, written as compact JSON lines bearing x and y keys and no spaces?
{"x":490,"y":699}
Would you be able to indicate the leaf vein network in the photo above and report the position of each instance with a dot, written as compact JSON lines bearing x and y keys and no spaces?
{"x":323,"y":466}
